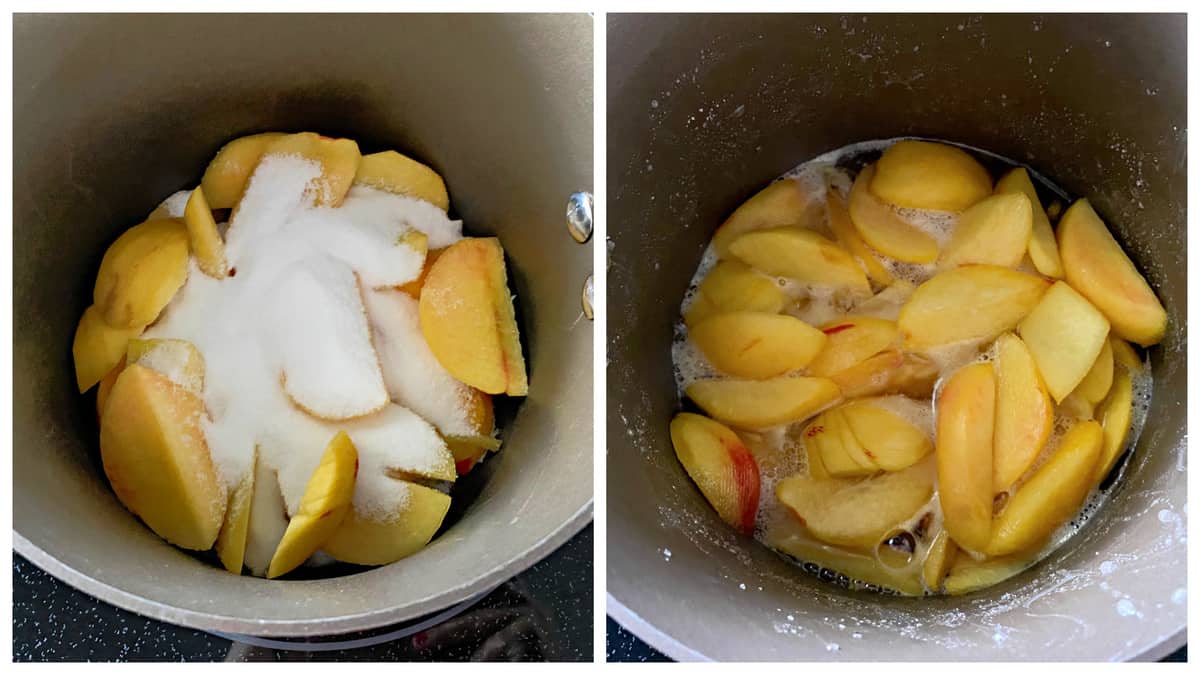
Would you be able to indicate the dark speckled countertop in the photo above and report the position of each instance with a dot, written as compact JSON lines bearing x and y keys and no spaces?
{"x":543,"y":614}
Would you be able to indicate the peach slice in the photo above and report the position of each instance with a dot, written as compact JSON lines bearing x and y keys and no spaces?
{"x":966,"y":415}
{"x":886,"y":304}
{"x":203,"y":237}
{"x":1076,"y":407}
{"x":993,"y":232}
{"x":852,"y":340}
{"x":413,"y":288}
{"x":157,"y":461}
{"x":883,"y":229}
{"x":338,"y":157}
{"x":784,"y":203}
{"x":268,"y":519}
{"x":141,"y":272}
{"x":1125,"y":354}
{"x":802,"y":255}
{"x":968,"y":575}
{"x":1100,"y":270}
{"x":1066,"y":334}
{"x":231,"y":540}
{"x":469,"y":450}
{"x":976,"y":302}
{"x":1115,"y":415}
{"x":847,"y":235}
{"x":734,"y":286}
{"x":942,"y":553}
{"x":227,"y":174}
{"x":755,"y":345}
{"x":325,"y":503}
{"x":857,"y":513}
{"x":890,"y":442}
{"x":98,"y":348}
{"x":1043,"y":249}
{"x":1024,"y":415}
{"x":393,"y":172}
{"x":924,"y":175}
{"x":786,"y":534}
{"x":178,"y":360}
{"x":364,"y":539}
{"x":834,"y":449}
{"x":721,"y":466}
{"x":105,"y":388}
{"x":1095,"y":385}
{"x":889,"y":372}
{"x":759,"y":404}
{"x":1052,"y":494}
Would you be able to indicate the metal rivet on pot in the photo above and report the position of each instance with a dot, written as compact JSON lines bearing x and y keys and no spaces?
{"x":588,"y":296}
{"x":579,"y":216}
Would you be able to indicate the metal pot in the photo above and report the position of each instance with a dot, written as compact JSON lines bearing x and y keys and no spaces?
{"x":706,"y":109}
{"x":112,"y":113}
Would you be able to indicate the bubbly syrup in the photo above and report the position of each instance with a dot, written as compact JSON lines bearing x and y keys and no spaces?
{"x":780,"y":451}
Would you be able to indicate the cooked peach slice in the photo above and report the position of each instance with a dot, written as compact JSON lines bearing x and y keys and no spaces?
{"x":721,"y":465}
{"x":784,"y":203}
{"x":889,"y":372}
{"x":366,"y":539}
{"x":1066,"y":334}
{"x":755,"y":345}
{"x":1076,"y":407}
{"x":857,"y":513}
{"x":1043,"y":249}
{"x":1095,"y":385}
{"x":968,"y":575}
{"x":231,"y":540}
{"x":976,"y":302}
{"x":966,"y":415}
{"x":1052,"y":494}
{"x":993,"y":232}
{"x":852,"y":340}
{"x":325,"y":503}
{"x":883,"y":229}
{"x":802,"y":255}
{"x":759,"y":404}
{"x":886,"y":304}
{"x":890,"y":442}
{"x":1024,"y":415}
{"x":468,"y":319}
{"x":942,"y":553}
{"x":393,"y":172}
{"x":105,"y":388}
{"x":338,"y":157}
{"x":1115,"y":415}
{"x":734,"y":286}
{"x":178,"y":360}
{"x":1100,"y":270}
{"x":203,"y":237}
{"x":227,"y":174}
{"x":1125,"y":355}
{"x":785,"y":533}
{"x":98,"y":348}
{"x":155,"y":456}
{"x":834,"y":449}
{"x":847,"y":235}
{"x":925,"y":175}
{"x":141,"y":272}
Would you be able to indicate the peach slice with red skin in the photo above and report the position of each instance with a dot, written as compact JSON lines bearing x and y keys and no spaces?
{"x":756,"y":345}
{"x":889,"y":372}
{"x":925,"y":175}
{"x":784,"y":203}
{"x":965,"y":425}
{"x":720,"y":465}
{"x":852,"y":340}
{"x":882,"y":228}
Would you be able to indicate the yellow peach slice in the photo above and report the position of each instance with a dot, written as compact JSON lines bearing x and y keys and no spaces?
{"x":1100,"y":270}
{"x":1095,"y":385}
{"x":721,"y":466}
{"x":1066,"y":334}
{"x":231,"y":540}
{"x":993,"y":232}
{"x":882,"y":228}
{"x":1052,"y":494}
{"x":802,"y":255}
{"x":98,"y":348}
{"x":788,"y":535}
{"x":852,"y":340}
{"x":1043,"y":249}
{"x":1115,"y":415}
{"x":141,"y":272}
{"x":755,"y":345}
{"x":468,"y":320}
{"x":890,"y":442}
{"x":942,"y":553}
{"x":975,"y":302}
{"x":925,"y":175}
{"x":968,"y":575}
{"x":965,"y":424}
{"x":178,"y":360}
{"x":1076,"y":407}
{"x":203,"y":237}
{"x":1024,"y":415}
{"x":157,"y":461}
{"x":784,"y":203}
{"x":847,"y":235}
{"x":364,"y":539}
{"x":1125,"y":355}
{"x":759,"y":404}
{"x":393,"y":172}
{"x":468,"y":450}
{"x":338,"y":157}
{"x":886,"y":303}
{"x":734,"y":286}
{"x":857,"y":513}
{"x":325,"y":503}
{"x":227,"y":174}
{"x":105,"y":388}
{"x":889,"y":372}
{"x":834,"y":448}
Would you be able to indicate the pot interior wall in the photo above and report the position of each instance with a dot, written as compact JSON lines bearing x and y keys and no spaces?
{"x":704,"y":111}
{"x":113,"y":113}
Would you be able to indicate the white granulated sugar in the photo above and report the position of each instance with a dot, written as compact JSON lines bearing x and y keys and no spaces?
{"x":268,"y":521}
{"x":369,"y":204}
{"x":326,"y":360}
{"x":413,"y":375}
{"x":276,"y":190}
{"x":173,"y":206}
{"x":172,"y":361}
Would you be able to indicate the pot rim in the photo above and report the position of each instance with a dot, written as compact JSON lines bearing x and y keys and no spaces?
{"x":330,"y":625}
